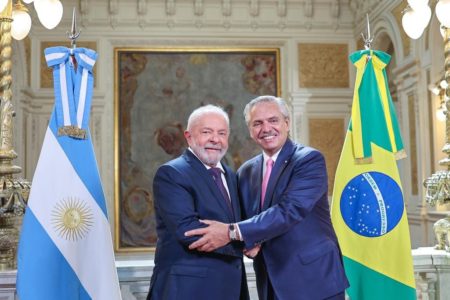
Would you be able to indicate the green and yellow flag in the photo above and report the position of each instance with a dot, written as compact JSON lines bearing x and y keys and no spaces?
{"x":368,"y":211}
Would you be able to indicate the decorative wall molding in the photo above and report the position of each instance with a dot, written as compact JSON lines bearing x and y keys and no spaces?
{"x":281,"y":11}
{"x":113,"y":11}
{"x":170,"y":7}
{"x":361,"y":7}
{"x":84,"y":10}
{"x":254,"y":8}
{"x":198,"y":7}
{"x":133,"y":16}
{"x":309,"y":10}
{"x":142,"y":11}
{"x":226,"y":8}
{"x":335,"y":8}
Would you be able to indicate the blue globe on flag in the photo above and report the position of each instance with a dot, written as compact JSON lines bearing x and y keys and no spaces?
{"x":372,"y":204}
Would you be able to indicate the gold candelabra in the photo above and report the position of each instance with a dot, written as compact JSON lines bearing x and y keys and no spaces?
{"x":438,"y":184}
{"x":13,"y":191}
{"x":416,"y":18}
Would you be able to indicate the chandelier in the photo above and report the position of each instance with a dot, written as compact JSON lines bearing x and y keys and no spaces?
{"x":49,"y":13}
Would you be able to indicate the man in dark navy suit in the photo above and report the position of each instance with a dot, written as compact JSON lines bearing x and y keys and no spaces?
{"x":192,"y":187}
{"x":288,"y":230}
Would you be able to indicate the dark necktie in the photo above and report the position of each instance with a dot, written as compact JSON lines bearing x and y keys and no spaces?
{"x":216,"y":173}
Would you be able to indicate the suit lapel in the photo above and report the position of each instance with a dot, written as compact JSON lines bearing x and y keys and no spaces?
{"x":232,"y":188}
{"x":209,"y":181}
{"x":280,"y":164}
{"x":255,"y":185}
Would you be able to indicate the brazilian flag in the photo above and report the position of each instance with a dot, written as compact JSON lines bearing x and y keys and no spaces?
{"x":368,"y":211}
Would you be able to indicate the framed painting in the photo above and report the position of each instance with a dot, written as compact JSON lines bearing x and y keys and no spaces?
{"x":155,"y":91}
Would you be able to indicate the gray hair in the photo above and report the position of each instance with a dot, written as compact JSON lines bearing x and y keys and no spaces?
{"x":207,"y":109}
{"x":268,"y":99}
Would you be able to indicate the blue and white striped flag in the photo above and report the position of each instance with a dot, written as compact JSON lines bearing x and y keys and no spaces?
{"x":65,"y":248}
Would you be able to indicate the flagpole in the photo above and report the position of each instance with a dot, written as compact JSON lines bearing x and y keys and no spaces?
{"x":13,"y":191}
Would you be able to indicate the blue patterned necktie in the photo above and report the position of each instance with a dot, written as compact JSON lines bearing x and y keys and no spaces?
{"x":216,"y":173}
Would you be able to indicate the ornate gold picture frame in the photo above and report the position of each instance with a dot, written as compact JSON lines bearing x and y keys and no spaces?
{"x":155,"y":91}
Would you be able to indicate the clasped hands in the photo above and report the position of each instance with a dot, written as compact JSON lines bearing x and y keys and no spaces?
{"x":215,"y":236}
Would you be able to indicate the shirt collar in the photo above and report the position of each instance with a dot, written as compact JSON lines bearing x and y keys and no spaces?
{"x":273,"y":157}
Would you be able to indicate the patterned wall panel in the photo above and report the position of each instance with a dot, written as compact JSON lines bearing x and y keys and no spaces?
{"x":323,"y":65}
{"x":327,"y":135}
{"x":46,"y":72}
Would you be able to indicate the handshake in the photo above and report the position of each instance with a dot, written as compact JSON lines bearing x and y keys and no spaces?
{"x":215,"y":236}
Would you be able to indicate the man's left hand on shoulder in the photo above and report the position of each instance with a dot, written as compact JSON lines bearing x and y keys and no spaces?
{"x":214,"y":236}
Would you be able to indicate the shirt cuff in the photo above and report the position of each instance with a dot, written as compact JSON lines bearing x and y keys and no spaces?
{"x":241,"y":238}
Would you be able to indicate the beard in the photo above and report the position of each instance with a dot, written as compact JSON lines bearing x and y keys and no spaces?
{"x":210,"y":159}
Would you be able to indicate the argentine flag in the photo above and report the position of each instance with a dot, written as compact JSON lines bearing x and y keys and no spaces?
{"x":65,"y":248}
